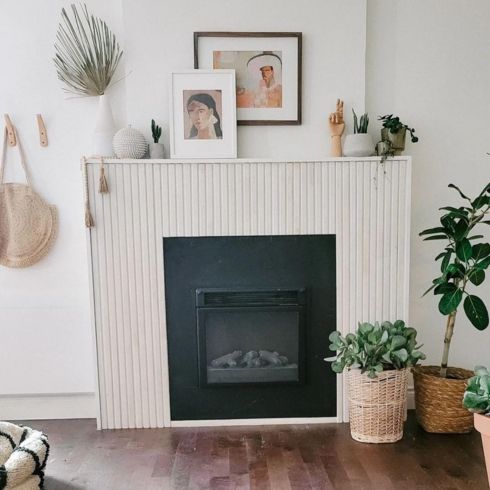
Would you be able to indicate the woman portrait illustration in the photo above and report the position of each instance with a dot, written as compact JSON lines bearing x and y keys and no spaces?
{"x":202,"y":114}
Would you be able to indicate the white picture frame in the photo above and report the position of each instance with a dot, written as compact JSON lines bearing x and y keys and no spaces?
{"x":203,"y":114}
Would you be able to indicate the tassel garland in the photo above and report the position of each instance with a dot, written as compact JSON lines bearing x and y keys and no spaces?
{"x":103,"y":187}
{"x":89,"y":220}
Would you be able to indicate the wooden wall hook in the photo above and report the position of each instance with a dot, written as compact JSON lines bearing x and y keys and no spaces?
{"x":11,"y":138}
{"x":43,"y":134}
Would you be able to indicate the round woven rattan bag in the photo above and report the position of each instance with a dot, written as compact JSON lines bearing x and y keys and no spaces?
{"x":28,"y":224}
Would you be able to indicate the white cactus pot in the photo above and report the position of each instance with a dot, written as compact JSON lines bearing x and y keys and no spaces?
{"x":157,"y":150}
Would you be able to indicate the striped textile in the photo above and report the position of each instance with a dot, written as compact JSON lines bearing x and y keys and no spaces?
{"x":23,"y":456}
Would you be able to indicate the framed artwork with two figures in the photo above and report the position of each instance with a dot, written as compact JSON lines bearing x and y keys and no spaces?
{"x":268,"y":72}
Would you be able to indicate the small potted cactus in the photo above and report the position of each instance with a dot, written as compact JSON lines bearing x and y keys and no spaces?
{"x":157,"y":150}
{"x":359,"y":144}
{"x":395,"y":132}
{"x":477,"y":400}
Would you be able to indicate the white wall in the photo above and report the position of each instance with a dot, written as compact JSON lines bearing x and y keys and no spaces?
{"x":45,"y":332}
{"x":333,"y":62}
{"x":427,"y":61}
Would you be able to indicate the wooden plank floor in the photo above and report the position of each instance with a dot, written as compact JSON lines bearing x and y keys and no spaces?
{"x":264,"y":457}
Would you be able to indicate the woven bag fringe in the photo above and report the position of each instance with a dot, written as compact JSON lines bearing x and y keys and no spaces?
{"x":89,"y":220}
{"x":103,"y":187}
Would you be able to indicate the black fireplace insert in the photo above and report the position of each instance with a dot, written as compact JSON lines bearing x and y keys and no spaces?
{"x":250,"y":336}
{"x":248,"y":320}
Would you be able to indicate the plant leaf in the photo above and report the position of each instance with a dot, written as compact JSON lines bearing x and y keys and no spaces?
{"x":429,"y":290}
{"x":480,"y":251}
{"x":464,"y":250}
{"x":450,"y":301}
{"x":455,"y":211}
{"x":401,"y":324}
{"x":431,"y":231}
{"x":460,"y":193}
{"x":481,"y":201}
{"x":435,"y":237}
{"x":447,"y":287}
{"x":402,"y":354}
{"x":476,"y":311}
{"x":461,"y":229}
{"x":445,"y":262}
{"x":476,"y":276}
{"x":483,"y":264}
{"x":398,"y":341}
{"x":482,"y":371}
{"x":456,"y":270}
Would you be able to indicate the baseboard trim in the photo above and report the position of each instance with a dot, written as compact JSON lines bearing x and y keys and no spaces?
{"x":83,"y":406}
{"x":235,"y":422}
{"x":411,"y":398}
{"x":48,"y":406}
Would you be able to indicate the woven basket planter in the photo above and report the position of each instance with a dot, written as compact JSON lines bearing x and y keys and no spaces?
{"x":377,"y":406}
{"x":438,"y":401}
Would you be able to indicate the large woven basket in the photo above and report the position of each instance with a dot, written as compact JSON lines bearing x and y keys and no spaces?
{"x":438,"y":401}
{"x":377,"y":406}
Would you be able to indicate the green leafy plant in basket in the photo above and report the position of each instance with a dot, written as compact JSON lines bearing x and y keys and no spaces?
{"x":374,"y":348}
{"x":477,"y":395}
{"x":463,"y":263}
{"x":477,"y":400}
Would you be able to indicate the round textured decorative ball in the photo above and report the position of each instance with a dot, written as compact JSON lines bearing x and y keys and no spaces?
{"x":129,"y":143}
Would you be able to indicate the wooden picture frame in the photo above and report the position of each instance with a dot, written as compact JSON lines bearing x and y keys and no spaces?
{"x":268,"y":72}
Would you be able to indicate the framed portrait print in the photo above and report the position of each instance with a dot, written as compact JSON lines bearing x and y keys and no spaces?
{"x":203,"y":114}
{"x":268,"y":72}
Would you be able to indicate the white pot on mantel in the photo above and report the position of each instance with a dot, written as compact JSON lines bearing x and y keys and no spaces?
{"x":157,"y":151}
{"x":358,"y":145}
{"x":104,"y":129}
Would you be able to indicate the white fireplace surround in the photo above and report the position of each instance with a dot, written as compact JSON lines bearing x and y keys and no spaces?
{"x":364,"y":202}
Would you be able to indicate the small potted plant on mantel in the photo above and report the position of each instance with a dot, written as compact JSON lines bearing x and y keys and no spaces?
{"x":378,"y":358}
{"x":477,"y":400}
{"x":359,"y":144}
{"x":463,"y":264}
{"x":395,"y":132}
{"x":157,"y":150}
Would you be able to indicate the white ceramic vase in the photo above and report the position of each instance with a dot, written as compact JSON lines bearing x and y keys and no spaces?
{"x":104,"y":129}
{"x":358,"y":145}
{"x":157,"y":150}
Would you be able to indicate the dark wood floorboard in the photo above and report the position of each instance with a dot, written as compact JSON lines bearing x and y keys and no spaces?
{"x":292,"y":457}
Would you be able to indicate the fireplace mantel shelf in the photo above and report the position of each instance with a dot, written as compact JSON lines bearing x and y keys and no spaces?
{"x":365,"y":204}
{"x":96,"y":160}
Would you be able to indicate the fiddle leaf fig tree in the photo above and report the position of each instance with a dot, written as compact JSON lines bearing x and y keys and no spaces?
{"x":463,"y":263}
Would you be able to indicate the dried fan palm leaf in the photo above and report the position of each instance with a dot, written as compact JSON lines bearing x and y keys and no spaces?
{"x":87,"y":53}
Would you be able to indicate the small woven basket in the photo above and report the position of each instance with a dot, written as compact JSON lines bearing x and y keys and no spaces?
{"x":377,"y":406}
{"x":439,"y":401}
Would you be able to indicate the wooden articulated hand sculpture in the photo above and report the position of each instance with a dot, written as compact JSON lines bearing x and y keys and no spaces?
{"x":336,"y":127}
